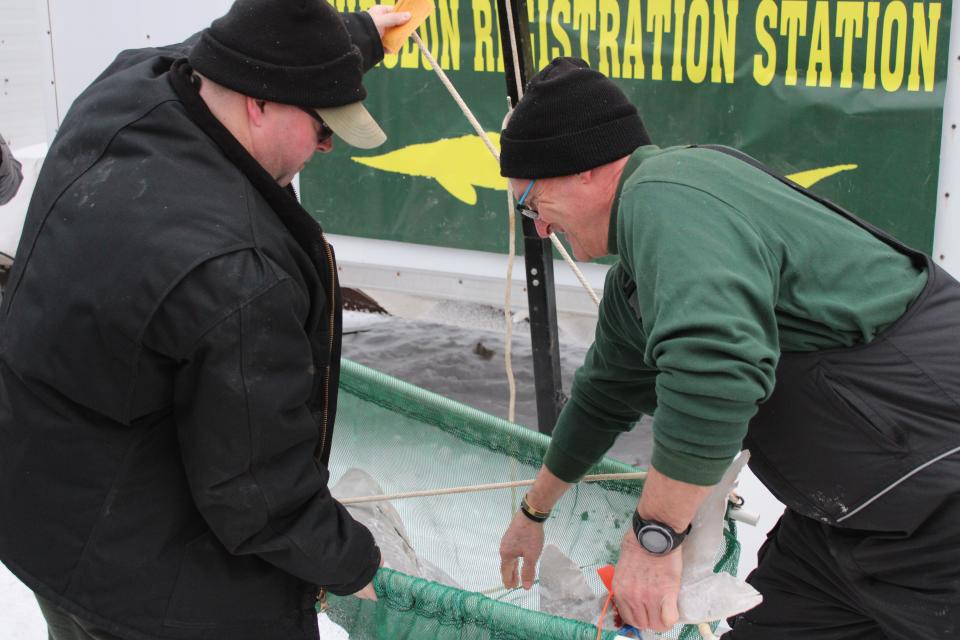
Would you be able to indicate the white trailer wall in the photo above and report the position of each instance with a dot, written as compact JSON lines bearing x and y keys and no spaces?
{"x":946,"y":233}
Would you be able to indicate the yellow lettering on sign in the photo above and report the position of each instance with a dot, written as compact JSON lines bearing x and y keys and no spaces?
{"x":676,"y":73}
{"x":820,"y":48}
{"x":560,"y":15}
{"x":849,"y":26}
{"x":766,"y":15}
{"x":658,"y":21}
{"x":450,"y":30}
{"x":483,"y":52}
{"x":543,"y":11}
{"x":609,"y":49}
{"x":793,"y":23}
{"x":409,"y":55}
{"x":431,"y":39}
{"x":633,"y":66}
{"x":585,"y":19}
{"x":870,"y":66}
{"x":724,"y":41}
{"x":923,"y":52}
{"x":891,"y":76}
{"x":704,"y":39}
{"x":698,"y":25}
{"x":531,"y":18}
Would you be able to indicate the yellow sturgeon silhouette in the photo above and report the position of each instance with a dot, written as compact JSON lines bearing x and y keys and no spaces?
{"x":811,"y":177}
{"x":458,"y":164}
{"x":462,"y":164}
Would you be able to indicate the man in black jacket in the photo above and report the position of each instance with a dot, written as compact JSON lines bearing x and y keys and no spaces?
{"x":170,"y":340}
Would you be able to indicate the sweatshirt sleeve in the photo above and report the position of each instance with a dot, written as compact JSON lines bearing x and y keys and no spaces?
{"x":365,"y":36}
{"x":247,"y":437}
{"x":707,"y":286}
{"x":612,"y":389}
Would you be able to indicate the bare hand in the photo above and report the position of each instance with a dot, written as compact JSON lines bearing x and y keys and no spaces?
{"x":385,"y":17}
{"x":523,"y":539}
{"x":367,"y":593}
{"x":646,"y":586}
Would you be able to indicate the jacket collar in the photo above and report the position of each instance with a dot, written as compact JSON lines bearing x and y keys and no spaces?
{"x":636,"y":158}
{"x":300,"y":224}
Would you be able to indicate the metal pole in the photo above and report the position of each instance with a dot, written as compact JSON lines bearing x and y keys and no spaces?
{"x":538,"y":254}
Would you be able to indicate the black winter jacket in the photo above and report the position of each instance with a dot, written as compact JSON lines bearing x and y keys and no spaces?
{"x":168,"y":373}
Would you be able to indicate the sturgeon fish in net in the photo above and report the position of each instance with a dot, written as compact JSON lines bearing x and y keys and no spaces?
{"x":387,"y":528}
{"x":564,"y":590}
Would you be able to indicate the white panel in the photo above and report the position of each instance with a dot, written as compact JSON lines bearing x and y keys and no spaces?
{"x":88,"y":34}
{"x":454,"y":274}
{"x":946,"y":235}
{"x":22,"y":72}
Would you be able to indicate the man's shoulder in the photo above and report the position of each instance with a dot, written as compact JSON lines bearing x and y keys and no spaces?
{"x":684,"y":165}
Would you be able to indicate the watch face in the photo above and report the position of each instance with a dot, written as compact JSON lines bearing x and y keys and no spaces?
{"x":654,"y":540}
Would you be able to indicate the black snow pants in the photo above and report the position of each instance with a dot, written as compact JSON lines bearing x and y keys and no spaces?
{"x":863,"y":446}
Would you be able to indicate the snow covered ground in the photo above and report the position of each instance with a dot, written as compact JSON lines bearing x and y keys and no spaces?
{"x":20,"y":617}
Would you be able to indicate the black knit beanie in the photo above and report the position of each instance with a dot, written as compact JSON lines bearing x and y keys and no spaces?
{"x":570,"y":119}
{"x":290,"y":51}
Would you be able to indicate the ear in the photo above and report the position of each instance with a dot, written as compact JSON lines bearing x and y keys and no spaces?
{"x":586,"y":177}
{"x":255,"y":110}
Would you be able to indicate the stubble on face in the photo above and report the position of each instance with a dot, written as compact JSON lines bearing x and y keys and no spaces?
{"x":286,"y":141}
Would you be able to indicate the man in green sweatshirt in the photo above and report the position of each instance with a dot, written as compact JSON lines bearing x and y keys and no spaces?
{"x":746,"y":312}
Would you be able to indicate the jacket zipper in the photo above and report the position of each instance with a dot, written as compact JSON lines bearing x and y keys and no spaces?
{"x":333,"y":311}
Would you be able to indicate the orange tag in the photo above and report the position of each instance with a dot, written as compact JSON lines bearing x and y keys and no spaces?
{"x":606,"y":576}
{"x":395,"y":37}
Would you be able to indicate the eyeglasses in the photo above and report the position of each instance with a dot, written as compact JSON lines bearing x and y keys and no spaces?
{"x":325,"y":132}
{"x":523,"y":209}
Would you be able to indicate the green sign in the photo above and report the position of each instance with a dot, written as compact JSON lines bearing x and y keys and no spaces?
{"x":844,"y":96}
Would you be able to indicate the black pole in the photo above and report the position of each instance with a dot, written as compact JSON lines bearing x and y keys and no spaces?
{"x":538,"y":254}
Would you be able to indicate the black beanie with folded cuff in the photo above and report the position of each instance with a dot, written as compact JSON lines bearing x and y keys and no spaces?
{"x":289,"y":51}
{"x":570,"y":119}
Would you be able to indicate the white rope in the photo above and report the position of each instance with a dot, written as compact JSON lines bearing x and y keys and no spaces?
{"x":508,"y":335}
{"x":511,"y":251}
{"x":576,"y":271}
{"x":507,"y":299}
{"x":496,"y":154}
{"x":513,"y":48}
{"x":456,"y":96}
{"x":637,"y":475}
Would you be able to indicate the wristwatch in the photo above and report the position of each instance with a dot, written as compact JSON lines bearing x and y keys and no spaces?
{"x":655,"y":537}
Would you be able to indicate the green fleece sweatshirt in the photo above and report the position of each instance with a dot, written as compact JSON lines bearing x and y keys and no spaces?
{"x":731,"y":267}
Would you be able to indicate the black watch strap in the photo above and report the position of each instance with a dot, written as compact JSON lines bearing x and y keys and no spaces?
{"x":656,"y":537}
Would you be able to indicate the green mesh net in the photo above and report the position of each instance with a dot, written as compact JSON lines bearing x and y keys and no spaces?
{"x":409,"y":439}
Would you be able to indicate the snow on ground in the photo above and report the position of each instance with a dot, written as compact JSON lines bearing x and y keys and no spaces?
{"x":20,"y":617}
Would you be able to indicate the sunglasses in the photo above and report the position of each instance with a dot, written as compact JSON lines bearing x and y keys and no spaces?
{"x":325,"y":132}
{"x":523,"y":209}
